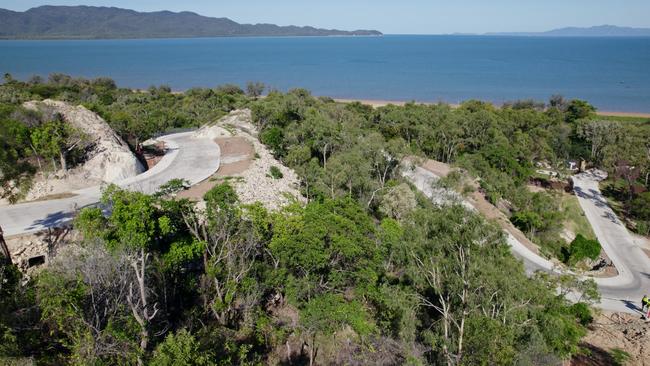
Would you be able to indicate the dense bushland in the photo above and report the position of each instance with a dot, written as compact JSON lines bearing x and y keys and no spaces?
{"x":367,"y":272}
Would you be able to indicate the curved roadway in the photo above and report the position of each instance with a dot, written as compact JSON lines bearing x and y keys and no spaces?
{"x":196,"y":159}
{"x":633,"y":265}
{"x":619,"y":293}
{"x":188,"y":157}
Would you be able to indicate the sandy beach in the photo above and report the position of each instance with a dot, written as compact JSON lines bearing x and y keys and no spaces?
{"x":383,"y":103}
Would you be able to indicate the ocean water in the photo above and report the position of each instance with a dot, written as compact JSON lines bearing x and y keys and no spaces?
{"x":611,"y":73}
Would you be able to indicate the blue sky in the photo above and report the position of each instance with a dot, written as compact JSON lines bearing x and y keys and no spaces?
{"x":399,"y":16}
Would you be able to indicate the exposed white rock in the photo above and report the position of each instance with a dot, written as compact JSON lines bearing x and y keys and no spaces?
{"x":110,"y":159}
{"x":240,"y":119}
{"x":258,"y":186}
{"x":255,"y":184}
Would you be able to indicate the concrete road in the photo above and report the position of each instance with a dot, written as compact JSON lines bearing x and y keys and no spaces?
{"x":632,"y":263}
{"x":187,"y":157}
{"x":620,"y":293}
{"x":424,"y":179}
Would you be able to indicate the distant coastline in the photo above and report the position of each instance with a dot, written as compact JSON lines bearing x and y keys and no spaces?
{"x":162,"y":38}
{"x":597,"y":31}
{"x":94,"y":23}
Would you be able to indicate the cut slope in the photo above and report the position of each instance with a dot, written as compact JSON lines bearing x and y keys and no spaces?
{"x":108,"y":160}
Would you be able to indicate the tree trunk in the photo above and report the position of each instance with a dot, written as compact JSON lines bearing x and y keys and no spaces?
{"x":38,"y":157}
{"x":288,"y":352}
{"x":64,"y":163}
{"x":140,"y":308}
{"x":312,"y":351}
{"x":4,"y":250}
{"x":325,"y":157}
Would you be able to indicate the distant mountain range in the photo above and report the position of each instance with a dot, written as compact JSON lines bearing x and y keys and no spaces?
{"x":88,"y":22}
{"x":598,"y":31}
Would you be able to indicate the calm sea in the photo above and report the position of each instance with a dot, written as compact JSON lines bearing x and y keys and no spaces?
{"x":612,"y":73}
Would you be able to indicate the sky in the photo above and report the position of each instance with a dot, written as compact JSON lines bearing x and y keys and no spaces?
{"x":398,"y":16}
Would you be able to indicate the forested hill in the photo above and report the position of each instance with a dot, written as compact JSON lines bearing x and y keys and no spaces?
{"x":87,"y":22}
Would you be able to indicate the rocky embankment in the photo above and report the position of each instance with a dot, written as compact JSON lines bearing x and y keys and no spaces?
{"x":108,"y":158}
{"x":254,"y":183}
{"x":616,"y":334}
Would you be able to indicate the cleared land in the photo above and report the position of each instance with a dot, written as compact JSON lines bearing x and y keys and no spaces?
{"x":237,"y":154}
{"x":613,"y":334}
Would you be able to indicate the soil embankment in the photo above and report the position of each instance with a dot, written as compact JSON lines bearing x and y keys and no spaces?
{"x":613,"y":335}
{"x":478,"y":200}
{"x":480,"y":203}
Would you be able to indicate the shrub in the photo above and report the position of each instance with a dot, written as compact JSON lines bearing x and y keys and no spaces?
{"x":276,"y":173}
{"x":582,"y":248}
{"x":527,"y":221}
{"x":641,"y":206}
{"x":274,"y":139}
{"x":582,"y":313}
{"x":172,"y":187}
{"x":221,"y":193}
{"x":643,"y":228}
{"x":180,"y":349}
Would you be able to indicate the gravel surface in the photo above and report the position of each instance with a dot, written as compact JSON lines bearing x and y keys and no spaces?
{"x":255,"y":183}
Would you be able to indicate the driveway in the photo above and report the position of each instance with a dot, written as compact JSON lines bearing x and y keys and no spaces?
{"x":188,"y":157}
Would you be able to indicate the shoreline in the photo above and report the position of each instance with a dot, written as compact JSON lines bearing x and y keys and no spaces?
{"x":382,"y":103}
{"x":377,"y":103}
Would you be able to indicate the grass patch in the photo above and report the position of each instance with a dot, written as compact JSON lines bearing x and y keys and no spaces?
{"x":230,"y":128}
{"x":619,"y":356}
{"x":275,"y":173}
{"x":575,"y":219}
{"x":228,"y":178}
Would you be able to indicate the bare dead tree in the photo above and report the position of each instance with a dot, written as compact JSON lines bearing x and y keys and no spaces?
{"x":230,"y":257}
{"x":106,"y":278}
{"x":138,"y":300}
{"x":231,"y":250}
{"x":624,"y":170}
{"x":454,"y":308}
